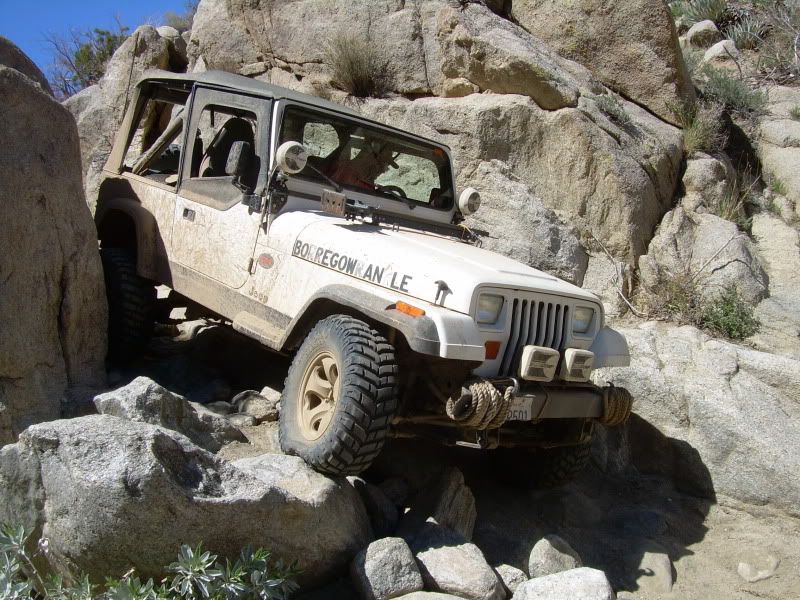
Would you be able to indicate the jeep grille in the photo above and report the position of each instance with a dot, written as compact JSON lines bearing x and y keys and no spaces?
{"x":538,"y":323}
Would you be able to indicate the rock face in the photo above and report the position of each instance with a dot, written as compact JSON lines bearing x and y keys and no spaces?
{"x":521,"y":227}
{"x":386,"y":569}
{"x":779,"y":141}
{"x":720,"y":419}
{"x":778,"y":245}
{"x":632,"y":47}
{"x":99,"y":109}
{"x":432,"y":45}
{"x":709,"y":249}
{"x":611,"y":174}
{"x":144,"y":401}
{"x":52,"y":306}
{"x":11,"y":56}
{"x":583,"y":583}
{"x":86,"y":483}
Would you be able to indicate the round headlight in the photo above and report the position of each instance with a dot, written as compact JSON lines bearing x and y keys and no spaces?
{"x":469,"y":201}
{"x":582,"y":320}
{"x":489,"y":307}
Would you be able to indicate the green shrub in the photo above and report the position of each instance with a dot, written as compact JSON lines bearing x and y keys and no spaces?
{"x":358,"y":67}
{"x":612,"y":108}
{"x":730,"y":316}
{"x":700,"y":10}
{"x":678,"y":298}
{"x":778,"y":186}
{"x":196,"y":575}
{"x":747,"y":33}
{"x":777,"y":58}
{"x":734,"y":94}
{"x":794,"y":113}
{"x":703,"y":128}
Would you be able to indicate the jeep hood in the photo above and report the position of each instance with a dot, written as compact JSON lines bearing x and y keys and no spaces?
{"x":413,"y":262}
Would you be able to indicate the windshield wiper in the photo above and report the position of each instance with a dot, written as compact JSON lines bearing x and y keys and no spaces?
{"x":330,"y":180}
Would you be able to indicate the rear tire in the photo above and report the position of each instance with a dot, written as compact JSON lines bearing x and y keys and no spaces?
{"x":131,"y":302}
{"x":339,"y":397}
{"x":542,"y":468}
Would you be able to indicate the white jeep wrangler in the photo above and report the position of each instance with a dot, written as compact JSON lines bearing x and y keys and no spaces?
{"x":337,"y":239}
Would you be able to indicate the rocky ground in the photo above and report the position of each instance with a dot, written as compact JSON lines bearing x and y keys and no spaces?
{"x":655,"y":530}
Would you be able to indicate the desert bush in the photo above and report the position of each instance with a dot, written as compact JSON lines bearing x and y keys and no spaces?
{"x":794,"y":113}
{"x":729,"y":316}
{"x":747,"y":32}
{"x":703,"y":128}
{"x":358,"y":67}
{"x":182,"y":21}
{"x":700,"y":10}
{"x":196,"y":575}
{"x":612,"y":108}
{"x":678,"y":298}
{"x":778,"y":53}
{"x":734,"y":94}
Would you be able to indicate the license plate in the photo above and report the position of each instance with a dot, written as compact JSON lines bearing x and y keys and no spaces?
{"x":521,"y":408}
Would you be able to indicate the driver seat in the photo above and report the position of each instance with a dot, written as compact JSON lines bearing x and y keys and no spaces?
{"x":216,"y":155}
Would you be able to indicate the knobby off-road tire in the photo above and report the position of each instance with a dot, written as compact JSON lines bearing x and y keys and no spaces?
{"x":339,"y":397}
{"x":543,"y":467}
{"x":131,"y":303}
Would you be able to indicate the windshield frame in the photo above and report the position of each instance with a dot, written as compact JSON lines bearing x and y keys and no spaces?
{"x":346,"y":118}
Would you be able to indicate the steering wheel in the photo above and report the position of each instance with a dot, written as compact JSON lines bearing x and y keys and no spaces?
{"x":394,"y":190}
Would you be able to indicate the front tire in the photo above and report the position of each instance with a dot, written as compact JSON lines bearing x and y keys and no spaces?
{"x":131,"y":301}
{"x":339,"y":397}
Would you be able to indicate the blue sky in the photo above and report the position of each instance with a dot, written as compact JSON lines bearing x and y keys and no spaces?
{"x":26,"y":23}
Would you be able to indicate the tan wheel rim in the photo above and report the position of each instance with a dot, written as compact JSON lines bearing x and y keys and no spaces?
{"x":319,"y":393}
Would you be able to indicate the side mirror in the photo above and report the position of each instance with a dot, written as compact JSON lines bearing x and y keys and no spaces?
{"x":291,"y":157}
{"x":239,"y":159}
{"x":469,"y":201}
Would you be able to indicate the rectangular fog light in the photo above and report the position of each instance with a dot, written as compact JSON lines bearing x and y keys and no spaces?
{"x":538,"y":363}
{"x":577,"y":365}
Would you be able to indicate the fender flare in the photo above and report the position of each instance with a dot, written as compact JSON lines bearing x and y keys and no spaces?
{"x":146,"y":230}
{"x":421,"y":333}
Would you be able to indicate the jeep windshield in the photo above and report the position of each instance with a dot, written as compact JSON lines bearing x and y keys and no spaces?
{"x":368,"y":159}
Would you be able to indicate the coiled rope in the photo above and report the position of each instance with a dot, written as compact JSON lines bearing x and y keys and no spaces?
{"x":487,"y":408}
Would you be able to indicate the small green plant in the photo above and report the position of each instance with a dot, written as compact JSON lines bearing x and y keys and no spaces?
{"x":358,"y":67}
{"x":612,"y":108}
{"x":734,"y":94}
{"x":678,"y":298}
{"x":703,"y":128}
{"x":730,"y":316}
{"x":197,"y":575}
{"x":700,"y":10}
{"x":747,"y":33}
{"x":777,"y":186}
{"x":794,"y":112}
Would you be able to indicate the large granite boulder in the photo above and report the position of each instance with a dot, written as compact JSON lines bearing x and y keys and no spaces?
{"x":52,"y":305}
{"x":708,"y":249}
{"x":719,"y":418}
{"x":110,"y":494}
{"x":632,"y":47}
{"x":11,"y":56}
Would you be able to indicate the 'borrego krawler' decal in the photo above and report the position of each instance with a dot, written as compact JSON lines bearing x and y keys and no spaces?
{"x":338,"y":261}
